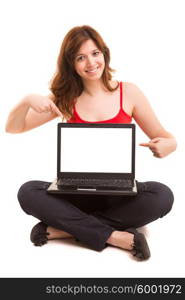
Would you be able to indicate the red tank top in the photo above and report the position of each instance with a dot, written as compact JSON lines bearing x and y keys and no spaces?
{"x":121,"y":117}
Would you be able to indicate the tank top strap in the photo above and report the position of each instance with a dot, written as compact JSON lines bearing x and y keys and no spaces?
{"x":121,"y":95}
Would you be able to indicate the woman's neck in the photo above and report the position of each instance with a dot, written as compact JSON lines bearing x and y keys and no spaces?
{"x":94,"y":87}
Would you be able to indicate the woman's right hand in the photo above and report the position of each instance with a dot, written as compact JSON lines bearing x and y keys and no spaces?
{"x":32,"y":111}
{"x":42,"y":104}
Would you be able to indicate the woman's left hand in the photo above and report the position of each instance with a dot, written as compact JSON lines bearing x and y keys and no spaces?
{"x":161,"y":146}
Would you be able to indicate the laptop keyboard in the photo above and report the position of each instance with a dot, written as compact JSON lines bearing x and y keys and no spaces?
{"x":98,"y":183}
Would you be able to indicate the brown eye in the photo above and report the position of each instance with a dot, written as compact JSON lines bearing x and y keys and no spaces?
{"x":96,"y":53}
{"x":80,"y":58}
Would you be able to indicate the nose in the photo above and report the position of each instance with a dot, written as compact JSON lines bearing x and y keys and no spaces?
{"x":90,"y":61}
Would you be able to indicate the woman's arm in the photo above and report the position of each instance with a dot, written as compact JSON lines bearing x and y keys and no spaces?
{"x":161,"y":142}
{"x":32,"y":111}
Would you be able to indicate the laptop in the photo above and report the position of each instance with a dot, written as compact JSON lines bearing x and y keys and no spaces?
{"x":96,"y":159}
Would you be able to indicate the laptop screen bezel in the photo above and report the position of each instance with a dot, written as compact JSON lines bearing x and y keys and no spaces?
{"x":98,"y":175}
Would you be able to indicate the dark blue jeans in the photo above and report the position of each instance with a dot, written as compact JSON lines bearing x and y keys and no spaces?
{"x":91,"y":219}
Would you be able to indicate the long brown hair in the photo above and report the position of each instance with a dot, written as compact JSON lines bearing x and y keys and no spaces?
{"x":66,"y":84}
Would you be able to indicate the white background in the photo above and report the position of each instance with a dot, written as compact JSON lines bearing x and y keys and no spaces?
{"x":146,"y":39}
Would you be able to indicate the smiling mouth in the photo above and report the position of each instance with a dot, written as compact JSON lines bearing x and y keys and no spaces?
{"x":92,"y":71}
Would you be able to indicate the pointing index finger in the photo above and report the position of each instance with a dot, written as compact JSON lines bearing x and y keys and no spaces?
{"x":145,"y":144}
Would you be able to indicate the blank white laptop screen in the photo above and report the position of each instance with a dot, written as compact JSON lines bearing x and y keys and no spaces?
{"x":97,"y":150}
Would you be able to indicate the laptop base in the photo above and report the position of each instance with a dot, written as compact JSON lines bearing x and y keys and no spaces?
{"x":55,"y":189}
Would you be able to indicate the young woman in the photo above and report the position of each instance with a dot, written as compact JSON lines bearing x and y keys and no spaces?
{"x":82,"y":91}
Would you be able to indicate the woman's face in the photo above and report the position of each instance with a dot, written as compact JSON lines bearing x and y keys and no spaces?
{"x":89,"y":61}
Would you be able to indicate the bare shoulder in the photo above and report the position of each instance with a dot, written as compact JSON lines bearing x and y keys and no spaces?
{"x":136,"y":96}
{"x":143,"y":113}
{"x":131,"y":89}
{"x":129,"y":86}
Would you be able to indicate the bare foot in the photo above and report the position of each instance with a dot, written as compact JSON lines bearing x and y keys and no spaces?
{"x":57,"y":234}
{"x":121,"y":239}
